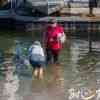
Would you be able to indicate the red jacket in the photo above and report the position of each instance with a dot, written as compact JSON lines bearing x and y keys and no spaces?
{"x":52,"y":36}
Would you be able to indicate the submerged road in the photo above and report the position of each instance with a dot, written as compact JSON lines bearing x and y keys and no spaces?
{"x":76,"y":78}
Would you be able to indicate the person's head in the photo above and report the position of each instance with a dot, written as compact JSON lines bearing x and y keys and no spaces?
{"x":53,"y":22}
{"x":37,"y":43}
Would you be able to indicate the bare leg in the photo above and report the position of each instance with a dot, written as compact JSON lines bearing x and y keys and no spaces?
{"x":32,"y":72}
{"x":41,"y":73}
{"x":36,"y":72}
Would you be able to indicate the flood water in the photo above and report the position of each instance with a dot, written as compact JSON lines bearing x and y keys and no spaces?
{"x":76,"y":78}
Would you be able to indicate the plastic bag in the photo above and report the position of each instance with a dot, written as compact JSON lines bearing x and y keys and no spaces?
{"x":62,"y":37}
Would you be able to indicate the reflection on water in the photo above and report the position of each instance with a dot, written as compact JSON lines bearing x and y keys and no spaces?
{"x":74,"y":79}
{"x":11,"y":81}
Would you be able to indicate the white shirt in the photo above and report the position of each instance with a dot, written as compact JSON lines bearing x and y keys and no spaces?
{"x":36,"y":51}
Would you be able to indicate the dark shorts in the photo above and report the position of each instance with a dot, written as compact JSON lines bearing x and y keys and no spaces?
{"x":37,"y":64}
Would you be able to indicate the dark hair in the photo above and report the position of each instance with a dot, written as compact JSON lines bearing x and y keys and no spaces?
{"x":52,"y":20}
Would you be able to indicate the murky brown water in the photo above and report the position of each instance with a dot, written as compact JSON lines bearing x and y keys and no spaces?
{"x":76,"y":78}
